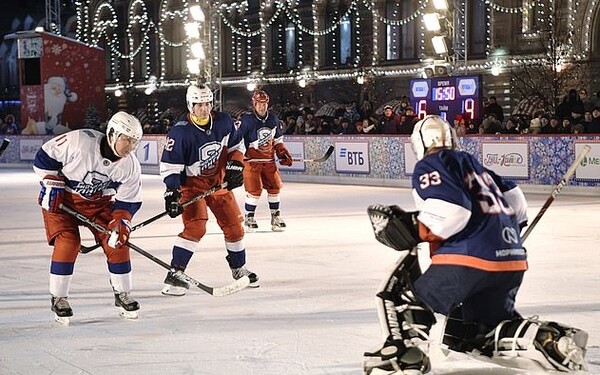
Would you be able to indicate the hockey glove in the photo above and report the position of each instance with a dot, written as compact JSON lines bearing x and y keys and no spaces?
{"x":394,"y":227}
{"x":284,"y":156}
{"x":52,"y":192}
{"x":120,"y":228}
{"x":234,"y":174}
{"x":172,"y":205}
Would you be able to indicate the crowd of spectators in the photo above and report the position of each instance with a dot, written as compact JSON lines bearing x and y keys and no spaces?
{"x":578,"y":113}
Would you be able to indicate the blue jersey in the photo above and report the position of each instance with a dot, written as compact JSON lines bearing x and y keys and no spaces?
{"x":472,"y":209}
{"x":195,"y":151}
{"x":260,"y":135}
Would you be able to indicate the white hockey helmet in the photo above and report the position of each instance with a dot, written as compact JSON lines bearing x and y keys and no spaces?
{"x":122,"y":123}
{"x":197,"y":94}
{"x":432,"y":131}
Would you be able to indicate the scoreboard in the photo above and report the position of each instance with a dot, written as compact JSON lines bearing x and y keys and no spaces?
{"x":446,"y":96}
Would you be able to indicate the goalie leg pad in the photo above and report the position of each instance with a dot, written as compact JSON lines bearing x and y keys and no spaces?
{"x":394,"y":227}
{"x":405,"y":323}
{"x":561,"y":347}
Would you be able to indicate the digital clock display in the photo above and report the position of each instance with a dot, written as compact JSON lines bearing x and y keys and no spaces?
{"x":446,"y":96}
{"x":443,"y":93}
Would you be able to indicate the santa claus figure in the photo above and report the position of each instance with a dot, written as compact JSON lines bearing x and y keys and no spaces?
{"x":56,"y":95}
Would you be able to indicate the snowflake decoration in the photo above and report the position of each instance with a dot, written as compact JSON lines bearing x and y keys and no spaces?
{"x":56,"y":49}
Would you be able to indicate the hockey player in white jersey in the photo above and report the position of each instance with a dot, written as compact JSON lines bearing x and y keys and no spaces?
{"x":471,"y":218}
{"x":97,"y":175}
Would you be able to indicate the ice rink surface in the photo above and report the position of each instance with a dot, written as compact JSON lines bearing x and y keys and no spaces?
{"x":314,"y":313}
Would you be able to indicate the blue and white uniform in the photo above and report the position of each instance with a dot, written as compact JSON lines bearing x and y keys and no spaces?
{"x":194,"y":160}
{"x":460,"y":201}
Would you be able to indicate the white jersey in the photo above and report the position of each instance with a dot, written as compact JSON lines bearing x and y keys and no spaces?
{"x":76,"y":156}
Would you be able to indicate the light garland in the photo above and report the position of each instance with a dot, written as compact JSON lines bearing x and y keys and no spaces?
{"x":272,"y":17}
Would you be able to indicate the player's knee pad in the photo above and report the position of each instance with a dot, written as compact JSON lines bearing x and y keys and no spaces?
{"x":552,"y":345}
{"x":402,"y":315}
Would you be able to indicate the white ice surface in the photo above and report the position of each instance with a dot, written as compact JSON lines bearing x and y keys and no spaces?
{"x":313,"y":314}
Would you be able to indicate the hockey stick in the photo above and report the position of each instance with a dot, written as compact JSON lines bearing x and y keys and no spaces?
{"x":234,"y":287}
{"x":556,"y":191}
{"x":317,"y":160}
{"x":4,"y":145}
{"x":87,"y":249}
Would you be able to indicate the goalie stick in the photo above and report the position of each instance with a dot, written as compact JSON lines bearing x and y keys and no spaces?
{"x":234,"y":287}
{"x":87,"y":249}
{"x":4,"y":145}
{"x":317,"y":160}
{"x":556,"y":191}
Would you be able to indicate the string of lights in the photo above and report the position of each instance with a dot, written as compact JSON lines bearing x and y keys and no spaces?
{"x":98,"y":26}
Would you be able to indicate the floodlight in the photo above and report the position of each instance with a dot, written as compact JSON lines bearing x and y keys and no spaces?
{"x":440,"y":4}
{"x":432,"y":21}
{"x":191,"y":30}
{"x":197,"y":13}
{"x":439,"y":44}
{"x":198,"y":50}
{"x":193,"y":66}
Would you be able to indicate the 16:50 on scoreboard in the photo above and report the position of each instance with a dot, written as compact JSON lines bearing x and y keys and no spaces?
{"x":446,"y":96}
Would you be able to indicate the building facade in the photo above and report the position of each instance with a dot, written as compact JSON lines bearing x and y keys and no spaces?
{"x":312,"y":52}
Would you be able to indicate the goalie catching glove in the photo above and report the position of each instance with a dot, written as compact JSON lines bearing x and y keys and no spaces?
{"x":394,"y":227}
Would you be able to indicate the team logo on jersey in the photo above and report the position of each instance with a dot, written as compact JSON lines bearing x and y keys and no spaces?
{"x":92,"y":184}
{"x":264,"y":136}
{"x":510,"y":235}
{"x":208,"y":156}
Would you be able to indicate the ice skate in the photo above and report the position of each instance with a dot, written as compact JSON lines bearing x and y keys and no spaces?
{"x":238,"y":273}
{"x":250,"y":224}
{"x":174,"y":286}
{"x":62,"y":310}
{"x":127,"y":306}
{"x":277,"y":223}
{"x":395,"y":358}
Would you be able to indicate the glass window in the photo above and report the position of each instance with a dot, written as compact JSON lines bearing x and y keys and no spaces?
{"x":345,"y":41}
{"x":290,"y":45}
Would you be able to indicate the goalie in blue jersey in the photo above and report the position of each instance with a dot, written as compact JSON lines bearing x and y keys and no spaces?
{"x":471,"y":218}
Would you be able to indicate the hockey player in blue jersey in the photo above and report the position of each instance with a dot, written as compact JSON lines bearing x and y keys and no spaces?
{"x":201,"y":153}
{"x":263,"y":139}
{"x":471,"y":218}
{"x":99,"y":176}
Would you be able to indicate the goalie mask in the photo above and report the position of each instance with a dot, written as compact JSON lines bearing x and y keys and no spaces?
{"x":126,"y":125}
{"x":432,"y":131}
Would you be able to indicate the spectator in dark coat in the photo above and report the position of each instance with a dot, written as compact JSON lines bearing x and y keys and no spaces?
{"x":571,"y":107}
{"x":493,"y":109}
{"x":389,"y":123}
